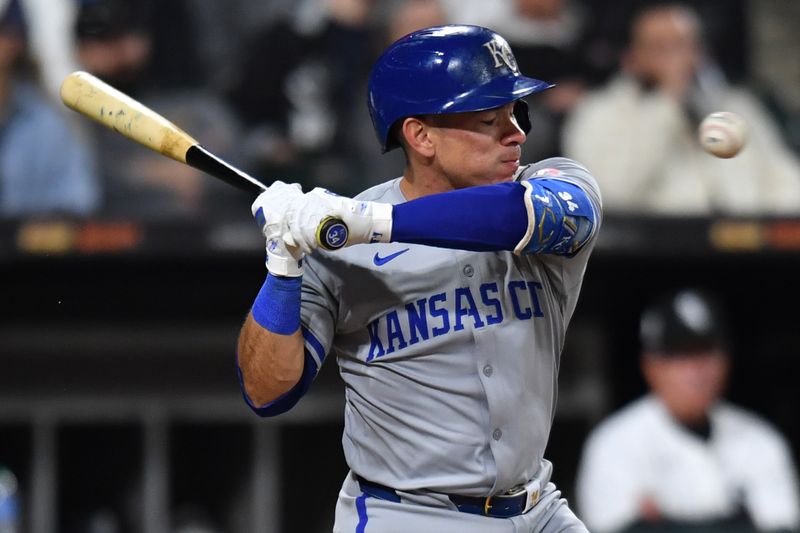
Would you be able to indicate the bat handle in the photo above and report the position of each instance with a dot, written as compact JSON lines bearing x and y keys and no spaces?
{"x":332,"y":233}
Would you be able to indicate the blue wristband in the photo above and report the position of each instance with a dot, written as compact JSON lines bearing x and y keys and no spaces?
{"x":277,"y":306}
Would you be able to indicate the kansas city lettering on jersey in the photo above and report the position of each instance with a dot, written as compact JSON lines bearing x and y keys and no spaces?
{"x":444,"y":312}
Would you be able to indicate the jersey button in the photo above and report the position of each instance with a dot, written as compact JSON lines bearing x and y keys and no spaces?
{"x":488,"y":370}
{"x":497,"y":434}
{"x":469,"y":271}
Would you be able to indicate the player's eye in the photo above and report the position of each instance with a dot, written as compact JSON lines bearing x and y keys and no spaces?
{"x":489,"y":121}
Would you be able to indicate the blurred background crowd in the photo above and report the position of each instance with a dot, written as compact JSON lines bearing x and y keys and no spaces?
{"x":278,"y":87}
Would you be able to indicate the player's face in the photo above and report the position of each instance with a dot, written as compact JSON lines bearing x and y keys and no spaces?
{"x":688,"y":384}
{"x":476,"y":148}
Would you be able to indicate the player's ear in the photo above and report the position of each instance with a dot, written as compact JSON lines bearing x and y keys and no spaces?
{"x":416,"y":135}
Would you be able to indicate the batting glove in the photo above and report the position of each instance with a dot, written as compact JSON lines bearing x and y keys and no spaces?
{"x":270,"y":212}
{"x":366,"y":221}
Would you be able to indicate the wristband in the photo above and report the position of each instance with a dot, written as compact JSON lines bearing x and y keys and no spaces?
{"x":277,"y":306}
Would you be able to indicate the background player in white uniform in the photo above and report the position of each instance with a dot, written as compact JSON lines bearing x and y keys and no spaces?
{"x":680,"y":455}
{"x":448,"y":326}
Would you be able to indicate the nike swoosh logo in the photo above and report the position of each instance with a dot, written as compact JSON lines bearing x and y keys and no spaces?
{"x":380,"y":261}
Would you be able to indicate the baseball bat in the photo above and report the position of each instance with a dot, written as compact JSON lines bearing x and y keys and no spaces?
{"x":89,"y":96}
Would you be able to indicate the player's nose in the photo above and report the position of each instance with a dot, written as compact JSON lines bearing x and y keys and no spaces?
{"x":513,"y":134}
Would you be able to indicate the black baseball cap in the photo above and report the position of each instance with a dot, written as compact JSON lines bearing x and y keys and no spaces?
{"x":683,"y":322}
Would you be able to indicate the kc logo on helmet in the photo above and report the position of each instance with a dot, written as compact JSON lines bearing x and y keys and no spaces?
{"x":502,"y":54}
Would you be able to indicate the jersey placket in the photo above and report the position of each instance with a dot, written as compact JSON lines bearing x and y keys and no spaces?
{"x":490,"y":369}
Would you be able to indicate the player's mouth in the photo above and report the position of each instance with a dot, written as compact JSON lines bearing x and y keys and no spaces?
{"x":510,"y":165}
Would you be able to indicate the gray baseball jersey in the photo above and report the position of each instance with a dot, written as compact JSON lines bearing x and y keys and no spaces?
{"x":450,"y":358}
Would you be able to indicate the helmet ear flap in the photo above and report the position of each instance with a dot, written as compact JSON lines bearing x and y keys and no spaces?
{"x":522,"y":115}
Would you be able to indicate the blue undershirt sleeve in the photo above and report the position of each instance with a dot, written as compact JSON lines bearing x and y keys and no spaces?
{"x":485,"y":218}
{"x":542,"y":216}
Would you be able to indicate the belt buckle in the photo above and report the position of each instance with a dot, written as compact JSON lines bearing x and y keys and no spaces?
{"x":516,"y":490}
{"x":533,"y":490}
{"x":513,"y":492}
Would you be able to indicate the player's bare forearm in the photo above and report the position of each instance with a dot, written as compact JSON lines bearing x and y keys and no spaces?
{"x":270,"y":363}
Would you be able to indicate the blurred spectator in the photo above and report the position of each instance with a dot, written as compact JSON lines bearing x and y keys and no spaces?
{"x":638,"y":134}
{"x":142,"y":45}
{"x":296,"y":94}
{"x":772,"y":25}
{"x":725,"y":32}
{"x":9,"y":502}
{"x":398,"y":20}
{"x":149,"y":186}
{"x":115,"y":44}
{"x":50,"y":39}
{"x":221,"y":30}
{"x":681,"y":455}
{"x":44,"y":166}
{"x":412,"y":15}
{"x":548,"y":37}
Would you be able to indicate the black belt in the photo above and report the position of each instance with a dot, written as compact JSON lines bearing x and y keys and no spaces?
{"x":499,"y":506}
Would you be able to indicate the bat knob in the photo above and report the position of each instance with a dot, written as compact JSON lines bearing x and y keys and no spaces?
{"x":332,"y":233}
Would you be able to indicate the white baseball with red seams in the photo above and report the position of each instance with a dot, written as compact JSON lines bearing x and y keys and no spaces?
{"x":723,"y":134}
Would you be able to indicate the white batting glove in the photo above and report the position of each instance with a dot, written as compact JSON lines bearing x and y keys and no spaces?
{"x":284,"y":260}
{"x":366,"y":221}
{"x":270,"y":210}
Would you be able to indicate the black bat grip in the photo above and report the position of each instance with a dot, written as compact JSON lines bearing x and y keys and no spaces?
{"x":332,"y":233}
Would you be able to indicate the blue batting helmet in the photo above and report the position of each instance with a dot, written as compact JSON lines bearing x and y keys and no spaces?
{"x":446,"y":69}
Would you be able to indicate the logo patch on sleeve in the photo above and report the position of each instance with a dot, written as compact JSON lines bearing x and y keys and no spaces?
{"x":549,"y":172}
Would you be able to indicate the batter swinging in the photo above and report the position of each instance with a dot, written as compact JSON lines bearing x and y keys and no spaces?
{"x":446,"y":311}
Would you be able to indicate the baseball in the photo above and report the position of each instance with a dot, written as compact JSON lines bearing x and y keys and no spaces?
{"x":723,"y":134}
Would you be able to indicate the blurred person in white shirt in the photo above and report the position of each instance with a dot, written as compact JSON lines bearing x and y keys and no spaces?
{"x":682,"y":455}
{"x":638,"y":134}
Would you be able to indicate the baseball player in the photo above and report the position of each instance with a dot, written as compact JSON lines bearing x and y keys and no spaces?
{"x":681,"y":455}
{"x":448,"y":309}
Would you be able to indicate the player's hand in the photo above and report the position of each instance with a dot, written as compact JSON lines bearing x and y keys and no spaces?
{"x":366,"y":221}
{"x":270,"y":211}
